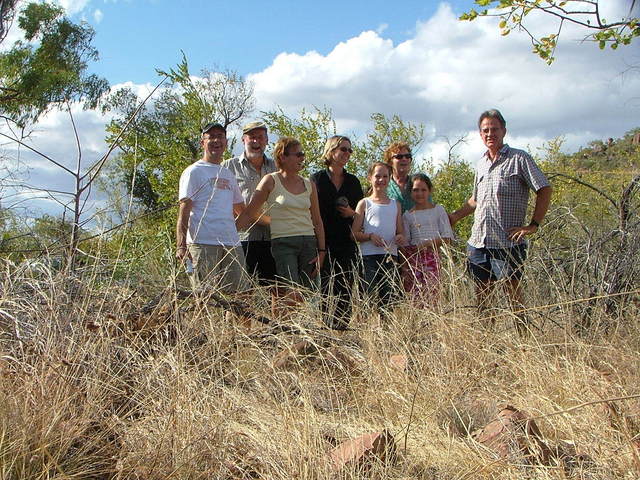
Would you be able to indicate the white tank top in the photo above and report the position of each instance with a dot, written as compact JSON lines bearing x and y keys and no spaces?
{"x":381,"y":220}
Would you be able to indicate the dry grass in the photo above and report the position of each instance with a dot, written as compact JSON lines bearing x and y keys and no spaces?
{"x":90,"y":390}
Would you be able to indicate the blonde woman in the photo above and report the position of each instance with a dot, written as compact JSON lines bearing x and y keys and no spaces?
{"x":338,"y":194}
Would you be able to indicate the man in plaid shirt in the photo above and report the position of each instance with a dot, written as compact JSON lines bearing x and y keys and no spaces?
{"x":504,"y":175}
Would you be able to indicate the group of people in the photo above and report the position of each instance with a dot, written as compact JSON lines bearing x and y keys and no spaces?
{"x":297,"y":232}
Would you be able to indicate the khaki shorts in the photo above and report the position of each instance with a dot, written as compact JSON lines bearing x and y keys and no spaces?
{"x":292,"y":256}
{"x":218,"y":267}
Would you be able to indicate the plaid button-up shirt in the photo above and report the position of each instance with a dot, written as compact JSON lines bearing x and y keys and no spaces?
{"x":248,"y":178}
{"x":501,"y":191}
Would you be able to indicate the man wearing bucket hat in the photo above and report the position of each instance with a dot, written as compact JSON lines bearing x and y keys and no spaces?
{"x":249,"y":168}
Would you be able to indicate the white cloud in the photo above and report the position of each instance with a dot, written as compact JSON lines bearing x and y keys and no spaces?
{"x":72,"y":6}
{"x":98,"y":15}
{"x":450,"y":71}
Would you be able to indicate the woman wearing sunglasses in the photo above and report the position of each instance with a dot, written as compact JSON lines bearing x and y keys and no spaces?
{"x":398,"y":157}
{"x":338,"y":194}
{"x":297,"y":234}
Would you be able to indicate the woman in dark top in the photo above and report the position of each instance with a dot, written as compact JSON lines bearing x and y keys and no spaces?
{"x":338,"y":194}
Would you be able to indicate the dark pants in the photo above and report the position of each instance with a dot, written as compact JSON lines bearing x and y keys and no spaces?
{"x":337,"y":276}
{"x":382,"y":280}
{"x":259,"y":261}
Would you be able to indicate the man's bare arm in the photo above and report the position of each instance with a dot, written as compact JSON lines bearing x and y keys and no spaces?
{"x":467,"y":209}
{"x":184,"y":210}
{"x":543,"y":199}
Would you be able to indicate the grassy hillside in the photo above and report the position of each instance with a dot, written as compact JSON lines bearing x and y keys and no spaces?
{"x":96,"y":385}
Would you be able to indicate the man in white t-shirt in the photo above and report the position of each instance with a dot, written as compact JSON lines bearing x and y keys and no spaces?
{"x":206,"y":233}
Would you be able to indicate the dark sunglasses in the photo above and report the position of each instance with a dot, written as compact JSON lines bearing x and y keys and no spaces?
{"x":345,"y":149}
{"x":400,"y":156}
{"x":298,"y":154}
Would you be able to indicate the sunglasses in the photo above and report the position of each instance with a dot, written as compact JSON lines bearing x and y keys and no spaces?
{"x":298,"y":154}
{"x":345,"y":149}
{"x":400,"y":156}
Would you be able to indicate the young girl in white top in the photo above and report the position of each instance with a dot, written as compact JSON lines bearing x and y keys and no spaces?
{"x":427,"y":227}
{"x":378,"y":227}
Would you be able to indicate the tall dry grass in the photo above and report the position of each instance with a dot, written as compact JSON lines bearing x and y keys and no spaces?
{"x":92,"y":388}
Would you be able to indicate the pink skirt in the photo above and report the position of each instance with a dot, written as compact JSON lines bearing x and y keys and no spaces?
{"x":423,"y":277}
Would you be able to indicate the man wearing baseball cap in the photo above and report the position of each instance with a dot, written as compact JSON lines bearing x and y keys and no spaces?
{"x":206,"y":232}
{"x":249,"y":168}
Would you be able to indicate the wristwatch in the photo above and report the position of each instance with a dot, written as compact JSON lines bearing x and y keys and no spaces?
{"x":533,"y":222}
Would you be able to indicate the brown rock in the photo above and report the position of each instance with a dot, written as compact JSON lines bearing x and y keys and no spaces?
{"x":514,"y":433}
{"x":361,"y":452}
{"x":292,"y":355}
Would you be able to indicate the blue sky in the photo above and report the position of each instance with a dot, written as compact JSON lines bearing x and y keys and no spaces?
{"x":411,"y":58}
{"x":135,"y":37}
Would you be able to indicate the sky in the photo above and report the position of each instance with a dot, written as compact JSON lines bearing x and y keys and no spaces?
{"x":411,"y":58}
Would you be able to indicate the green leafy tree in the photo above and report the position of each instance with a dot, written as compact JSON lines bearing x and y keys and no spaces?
{"x":386,"y":130}
{"x":586,"y":14}
{"x":163,"y":138}
{"x":311,"y":128}
{"x":49,"y":67}
{"x":453,"y":185}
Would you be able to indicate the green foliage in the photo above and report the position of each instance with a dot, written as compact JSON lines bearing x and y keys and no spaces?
{"x":311,"y":128}
{"x":386,"y":131}
{"x":164,"y":138}
{"x":45,"y":235}
{"x":453,"y":185}
{"x":513,"y":15}
{"x":49,"y":68}
{"x":588,"y":185}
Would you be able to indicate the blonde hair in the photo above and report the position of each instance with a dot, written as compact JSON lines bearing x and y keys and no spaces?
{"x":282,"y":148}
{"x":393,"y":149}
{"x":331,"y":144}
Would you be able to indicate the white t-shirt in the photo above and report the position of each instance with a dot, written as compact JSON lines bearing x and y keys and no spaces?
{"x":427,"y":224}
{"x":213,"y":190}
{"x":380,"y":218}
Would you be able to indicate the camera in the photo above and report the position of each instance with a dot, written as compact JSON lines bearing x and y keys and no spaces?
{"x":342,"y":202}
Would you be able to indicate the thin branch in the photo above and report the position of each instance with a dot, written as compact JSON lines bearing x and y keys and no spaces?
{"x":20,"y":142}
{"x":586,"y":404}
{"x":585,"y":184}
{"x":100,"y":163}
{"x":77,"y":139}
{"x":37,"y":189}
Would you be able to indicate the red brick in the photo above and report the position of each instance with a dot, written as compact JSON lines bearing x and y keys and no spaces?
{"x":362,"y":451}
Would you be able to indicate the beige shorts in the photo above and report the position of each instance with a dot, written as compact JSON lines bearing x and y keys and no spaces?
{"x":218,"y":267}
